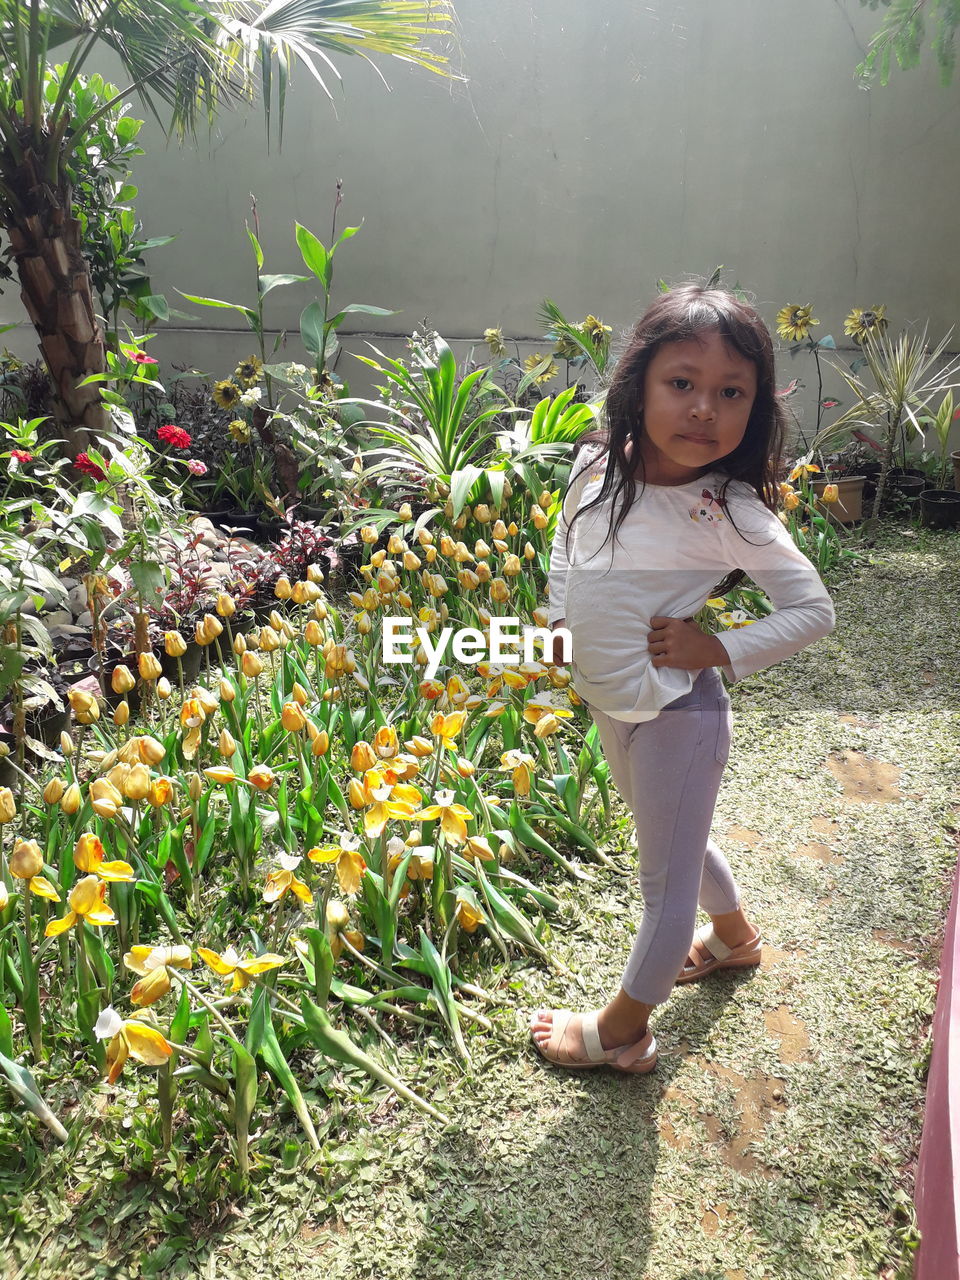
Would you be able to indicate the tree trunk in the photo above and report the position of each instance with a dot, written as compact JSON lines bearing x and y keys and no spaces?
{"x":56,"y":291}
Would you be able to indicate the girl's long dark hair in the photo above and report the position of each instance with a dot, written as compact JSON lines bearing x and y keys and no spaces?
{"x":686,"y":312}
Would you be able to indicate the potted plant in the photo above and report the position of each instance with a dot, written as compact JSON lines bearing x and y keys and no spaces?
{"x":905,"y":378}
{"x":940,"y":507}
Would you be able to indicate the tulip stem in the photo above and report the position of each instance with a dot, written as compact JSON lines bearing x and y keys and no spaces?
{"x":210,"y":1008}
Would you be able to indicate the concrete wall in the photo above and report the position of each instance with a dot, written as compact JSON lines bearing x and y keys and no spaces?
{"x":596,"y":146}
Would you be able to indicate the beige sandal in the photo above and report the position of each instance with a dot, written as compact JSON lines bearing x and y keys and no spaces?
{"x":635,"y":1059}
{"x":708,"y":953}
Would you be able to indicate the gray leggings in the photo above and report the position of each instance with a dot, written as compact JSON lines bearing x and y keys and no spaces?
{"x":668,"y":771}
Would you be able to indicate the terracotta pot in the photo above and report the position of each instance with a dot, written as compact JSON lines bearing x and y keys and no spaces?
{"x":940,"y":508}
{"x":848,"y":507}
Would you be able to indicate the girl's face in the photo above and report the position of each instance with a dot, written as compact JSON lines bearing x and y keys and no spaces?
{"x":697,"y":397}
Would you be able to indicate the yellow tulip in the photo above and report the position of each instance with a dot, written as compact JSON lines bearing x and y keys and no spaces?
{"x":499,"y":591}
{"x":251,"y":664}
{"x":226,"y":744}
{"x":53,"y":791}
{"x":791,"y":501}
{"x":478,"y":848}
{"x":151,"y":750}
{"x":405,"y":513}
{"x":368,"y":534}
{"x":228,"y":690}
{"x":164,"y":688}
{"x":283,"y":589}
{"x":122,"y":680}
{"x":26,"y":860}
{"x":8,"y":808}
{"x":142,"y":959}
{"x":346,"y":856}
{"x":419,"y":746}
{"x":362,"y":757}
{"x":160,"y":793}
{"x":149,"y":666}
{"x":151,"y":987}
{"x":261,"y":777}
{"x":321,"y":744}
{"x":830,"y":493}
{"x":71,"y":799}
{"x":313,"y":633}
{"x":221,"y":773}
{"x":292,"y":717}
{"x":226,"y":605}
{"x":85,"y":708}
{"x":89,"y":857}
{"x":174,"y":644}
{"x":137,"y":783}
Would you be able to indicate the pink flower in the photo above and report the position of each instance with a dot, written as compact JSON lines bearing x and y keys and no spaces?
{"x":196,"y":467}
{"x":176,"y":436}
{"x":141,"y":357}
{"x":21,"y":455}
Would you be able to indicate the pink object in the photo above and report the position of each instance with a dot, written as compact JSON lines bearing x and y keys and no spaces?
{"x":196,"y":467}
{"x":937,"y":1191}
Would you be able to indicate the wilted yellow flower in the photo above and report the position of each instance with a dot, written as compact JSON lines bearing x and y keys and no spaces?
{"x":521,"y":767}
{"x":87,"y":901}
{"x":385,"y":742}
{"x":130,"y":1038}
{"x":227,"y":395}
{"x":243,"y":971}
{"x":791,"y":501}
{"x":478,"y":848}
{"x":345,"y":854}
{"x":494,"y":340}
{"x":447,"y":727}
{"x":830,"y":493}
{"x":453,"y":817}
{"x":281,"y":881}
{"x":221,"y":773}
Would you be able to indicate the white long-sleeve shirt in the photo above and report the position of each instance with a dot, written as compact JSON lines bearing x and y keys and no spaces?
{"x":675,"y":546}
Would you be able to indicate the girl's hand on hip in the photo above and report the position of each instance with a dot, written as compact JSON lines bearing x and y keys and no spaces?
{"x":679,"y":642}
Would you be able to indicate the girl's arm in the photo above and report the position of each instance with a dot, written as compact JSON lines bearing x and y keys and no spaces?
{"x":803,"y":610}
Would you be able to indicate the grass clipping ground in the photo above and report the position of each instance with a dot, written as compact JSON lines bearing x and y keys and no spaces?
{"x":776,"y":1140}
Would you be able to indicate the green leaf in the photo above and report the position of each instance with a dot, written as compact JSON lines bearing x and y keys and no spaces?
{"x":25,"y":1089}
{"x":268,"y":282}
{"x":256,"y":249}
{"x":311,"y":328}
{"x":262,"y":1040}
{"x":315,"y":256}
{"x":244,"y":1100}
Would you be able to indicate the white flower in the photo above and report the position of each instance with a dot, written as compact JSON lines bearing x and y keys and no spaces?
{"x":297,"y":370}
{"x":288,"y":861}
{"x":108,"y":1024}
{"x":251,"y":397}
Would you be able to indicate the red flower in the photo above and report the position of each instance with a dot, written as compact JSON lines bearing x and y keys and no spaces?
{"x":176,"y":436}
{"x":84,"y":463}
{"x":21,"y":455}
{"x":141,"y":357}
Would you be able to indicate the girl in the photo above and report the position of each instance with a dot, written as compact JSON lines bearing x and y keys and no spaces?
{"x":681,"y":491}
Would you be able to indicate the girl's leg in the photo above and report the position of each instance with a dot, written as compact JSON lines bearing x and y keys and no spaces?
{"x":675,"y":763}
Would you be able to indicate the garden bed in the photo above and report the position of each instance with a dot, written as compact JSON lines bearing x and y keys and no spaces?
{"x":779,"y":1134}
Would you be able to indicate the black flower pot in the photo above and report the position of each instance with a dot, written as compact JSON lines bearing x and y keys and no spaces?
{"x":940,"y":508}
{"x":242,"y":524}
{"x":190,"y":662}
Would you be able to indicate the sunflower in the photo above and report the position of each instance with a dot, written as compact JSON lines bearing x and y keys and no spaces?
{"x":248,"y":371}
{"x":226,"y":393}
{"x":567,"y":347}
{"x":861,"y":323}
{"x":535,"y":361}
{"x":794,"y":322}
{"x":240,"y":431}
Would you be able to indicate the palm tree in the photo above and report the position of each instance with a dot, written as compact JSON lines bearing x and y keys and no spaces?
{"x":185,"y":58}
